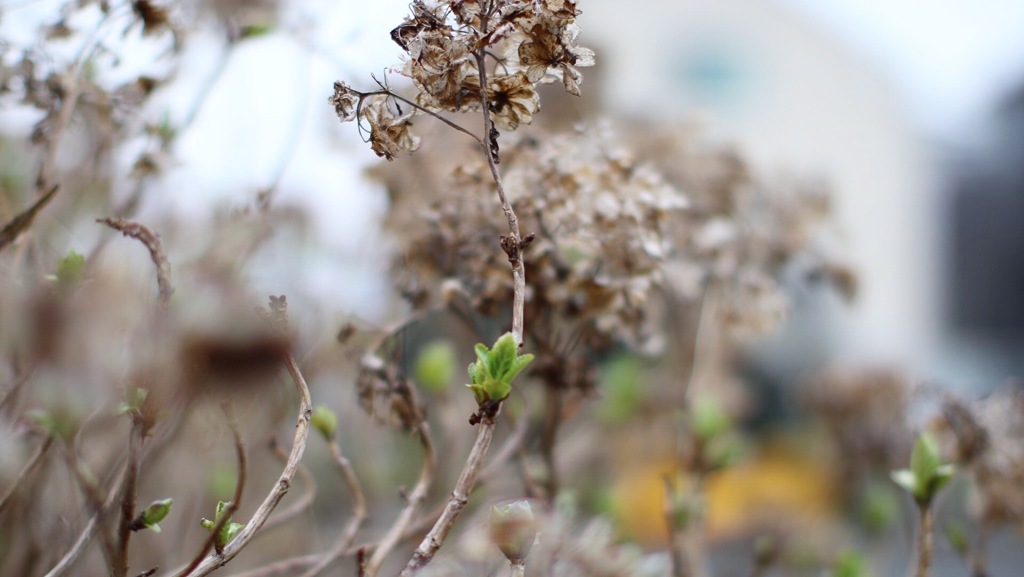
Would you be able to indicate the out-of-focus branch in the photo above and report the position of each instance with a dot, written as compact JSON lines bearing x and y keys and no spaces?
{"x":358,"y":511}
{"x":280,"y":488}
{"x":23,"y":220}
{"x":460,"y":497}
{"x":151,"y":240}
{"x":94,"y":498}
{"x":30,"y":466}
{"x":236,"y":500}
{"x":137,"y":437}
{"x":419,"y":493}
{"x":307,"y":497}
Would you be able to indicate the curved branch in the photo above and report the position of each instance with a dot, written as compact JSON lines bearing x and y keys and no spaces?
{"x":30,"y":465}
{"x":236,"y":501}
{"x":419,"y":493}
{"x":460,"y":497}
{"x":280,"y":488}
{"x":302,"y":504}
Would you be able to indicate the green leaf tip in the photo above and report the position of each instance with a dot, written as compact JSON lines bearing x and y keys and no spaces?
{"x":495,"y":368}
{"x":227,"y":532}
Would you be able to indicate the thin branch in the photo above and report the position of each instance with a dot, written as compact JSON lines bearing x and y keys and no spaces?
{"x":427,"y":111}
{"x":460,"y":497}
{"x":348,"y":535}
{"x":303,"y":503}
{"x":137,"y":437}
{"x":514,"y":243}
{"x":151,"y":240}
{"x":680,"y":564}
{"x":236,"y":500}
{"x":93,"y":525}
{"x":419,"y":493}
{"x":19,"y":381}
{"x":924,"y":538}
{"x":94,"y":499}
{"x":280,"y":488}
{"x":512,"y":445}
{"x":24,"y":220}
{"x":30,"y":466}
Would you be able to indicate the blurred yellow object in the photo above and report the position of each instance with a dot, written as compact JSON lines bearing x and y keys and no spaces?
{"x":779,"y":488}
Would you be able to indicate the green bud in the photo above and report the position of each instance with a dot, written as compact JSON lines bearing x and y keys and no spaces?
{"x":708,"y":419}
{"x":154,"y":513}
{"x":850,"y":564}
{"x":134,"y":400}
{"x":435,"y":366}
{"x":494,"y":369}
{"x":60,"y":423}
{"x":513,"y":529}
{"x":70,"y":270}
{"x":927,"y":474}
{"x":325,"y":421}
{"x":227,"y":532}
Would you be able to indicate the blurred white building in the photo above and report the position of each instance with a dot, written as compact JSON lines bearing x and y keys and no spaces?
{"x":796,"y":105}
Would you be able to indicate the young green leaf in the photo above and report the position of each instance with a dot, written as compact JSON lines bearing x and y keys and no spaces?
{"x":492,"y":373}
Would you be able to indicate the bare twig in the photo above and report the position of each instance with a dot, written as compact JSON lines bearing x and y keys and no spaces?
{"x":10,"y":393}
{"x":136,"y":438}
{"x":94,"y":523}
{"x":514,"y":243}
{"x":460,"y":496}
{"x":680,"y":564}
{"x":23,"y":220}
{"x":93,"y":498}
{"x":280,"y":488}
{"x":427,"y":111}
{"x":512,"y":444}
{"x":359,"y":510}
{"x":924,"y":538}
{"x":30,"y":466}
{"x":84,"y":539}
{"x":152,"y":242}
{"x":303,"y":503}
{"x":418,"y":494}
{"x":236,"y":500}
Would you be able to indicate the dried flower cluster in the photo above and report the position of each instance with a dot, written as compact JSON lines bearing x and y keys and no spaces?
{"x":448,"y":45}
{"x":602,"y":222}
{"x":988,"y":438}
{"x":741,"y":232}
{"x":866,"y":412}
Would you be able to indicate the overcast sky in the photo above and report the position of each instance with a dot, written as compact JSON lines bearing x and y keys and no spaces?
{"x":951,"y":59}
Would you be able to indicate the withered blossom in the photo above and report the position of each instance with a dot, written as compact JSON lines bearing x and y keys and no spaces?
{"x":154,"y":18}
{"x":520,"y":43}
{"x":513,"y":100}
{"x":345,"y":101}
{"x":988,"y":439}
{"x":602,"y":222}
{"x":389,"y":134}
{"x":546,"y":51}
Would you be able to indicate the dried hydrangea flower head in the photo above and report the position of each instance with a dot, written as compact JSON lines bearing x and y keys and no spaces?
{"x":459,"y":52}
{"x":603,"y":223}
{"x":989,"y":440}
